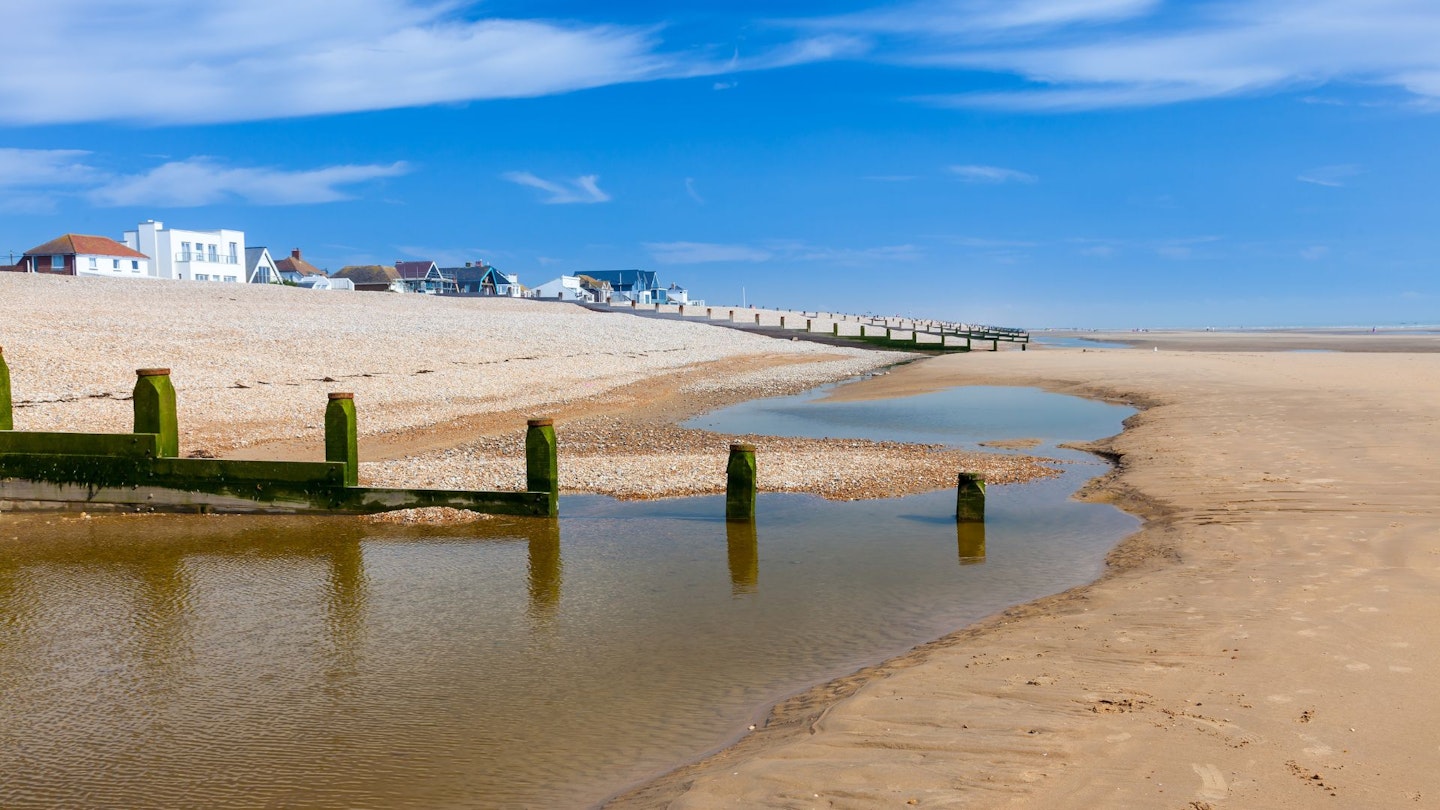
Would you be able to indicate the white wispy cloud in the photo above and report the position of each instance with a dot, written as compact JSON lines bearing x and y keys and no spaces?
{"x":977,"y":17}
{"x":44,"y":167}
{"x":783,"y":250}
{"x":1332,"y":176}
{"x":206,"y":181}
{"x":690,"y":190}
{"x":1090,"y":54}
{"x":991,"y":174}
{"x":704,"y":253}
{"x":178,"y":61}
{"x":583,"y":189}
{"x":34,"y":179}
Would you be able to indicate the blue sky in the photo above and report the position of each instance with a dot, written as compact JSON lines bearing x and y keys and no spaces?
{"x":1107,"y":163}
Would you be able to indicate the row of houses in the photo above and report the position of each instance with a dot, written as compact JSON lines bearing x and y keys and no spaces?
{"x":152,"y":251}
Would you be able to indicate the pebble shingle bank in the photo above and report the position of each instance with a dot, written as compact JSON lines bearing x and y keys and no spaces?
{"x":252,"y":366}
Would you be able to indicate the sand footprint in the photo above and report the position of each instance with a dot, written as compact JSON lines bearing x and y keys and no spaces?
{"x":1212,"y":783}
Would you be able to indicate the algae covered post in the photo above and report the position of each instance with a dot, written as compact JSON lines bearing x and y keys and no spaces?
{"x":7,"y":420}
{"x":340,"y":441}
{"x":155,"y":410}
{"x":740,"y":483}
{"x":970,"y":498}
{"x":542,"y":463}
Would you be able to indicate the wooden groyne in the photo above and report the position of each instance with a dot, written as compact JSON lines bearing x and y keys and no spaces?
{"x":142,"y":471}
{"x":898,"y":334}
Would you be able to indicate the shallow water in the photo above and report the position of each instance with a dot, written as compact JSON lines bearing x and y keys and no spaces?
{"x":323,"y":662}
{"x":1078,"y":342}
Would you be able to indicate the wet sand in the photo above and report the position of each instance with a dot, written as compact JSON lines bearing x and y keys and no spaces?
{"x":1264,"y":641}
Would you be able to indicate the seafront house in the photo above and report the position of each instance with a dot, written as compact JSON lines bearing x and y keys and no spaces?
{"x":479,"y":278}
{"x":372,"y":277}
{"x":259,"y":267}
{"x":293,"y":268}
{"x":191,"y":255}
{"x":424,"y":277}
{"x":564,"y":288}
{"x":79,"y":255}
{"x":639,"y":286}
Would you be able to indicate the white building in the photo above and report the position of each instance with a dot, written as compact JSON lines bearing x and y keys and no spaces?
{"x":191,"y":255}
{"x":326,"y":283}
{"x":259,"y":267}
{"x":76,"y":254}
{"x":564,"y":288}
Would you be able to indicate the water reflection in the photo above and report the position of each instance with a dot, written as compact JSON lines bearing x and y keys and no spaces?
{"x":544,"y":570}
{"x":743,"y":551}
{"x":326,"y":663}
{"x":970,"y":537}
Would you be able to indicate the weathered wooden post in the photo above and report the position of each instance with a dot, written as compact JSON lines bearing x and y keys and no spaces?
{"x":709,"y":312}
{"x":970,"y":498}
{"x":782,"y":321}
{"x":995,"y":345}
{"x":835,"y":329}
{"x":757,"y":319}
{"x":808,"y":325}
{"x":7,"y":416}
{"x":862,"y":330}
{"x":155,"y":409}
{"x":732,"y":316}
{"x":340,"y":441}
{"x":542,"y":461}
{"x":740,"y":483}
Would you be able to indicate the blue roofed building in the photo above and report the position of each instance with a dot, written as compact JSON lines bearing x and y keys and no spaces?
{"x":639,"y":286}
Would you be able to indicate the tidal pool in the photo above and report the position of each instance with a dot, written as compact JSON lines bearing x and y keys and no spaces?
{"x":164,"y":661}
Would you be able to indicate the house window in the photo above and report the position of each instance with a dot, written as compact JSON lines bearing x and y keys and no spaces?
{"x":114,"y":264}
{"x":214,"y":254}
{"x":234,"y":254}
{"x":201,"y":277}
{"x":57,"y":262}
{"x":184,"y":251}
{"x":94,"y":263}
{"x":135,"y":265}
{"x":230,"y":279}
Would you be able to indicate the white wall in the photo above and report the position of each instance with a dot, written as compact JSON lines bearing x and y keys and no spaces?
{"x":568,"y":285}
{"x":106,"y":266}
{"x":167,"y":248}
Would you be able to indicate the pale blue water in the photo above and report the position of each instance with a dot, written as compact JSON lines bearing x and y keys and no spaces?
{"x":328,"y":663}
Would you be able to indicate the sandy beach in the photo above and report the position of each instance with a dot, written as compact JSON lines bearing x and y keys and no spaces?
{"x":1261,"y":642}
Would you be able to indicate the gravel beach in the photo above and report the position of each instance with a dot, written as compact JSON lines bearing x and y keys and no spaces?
{"x":444,"y":385}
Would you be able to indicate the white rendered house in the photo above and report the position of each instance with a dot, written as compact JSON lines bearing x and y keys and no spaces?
{"x":77,"y":254}
{"x":191,"y":255}
{"x":564,"y":288}
{"x":259,"y":267}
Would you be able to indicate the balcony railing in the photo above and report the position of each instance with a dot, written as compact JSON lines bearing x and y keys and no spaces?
{"x":214,"y":258}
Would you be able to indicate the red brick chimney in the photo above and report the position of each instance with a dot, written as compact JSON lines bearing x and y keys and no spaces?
{"x":295,"y":253}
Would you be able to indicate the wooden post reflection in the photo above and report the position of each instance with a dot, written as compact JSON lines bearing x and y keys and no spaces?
{"x":546,"y":571}
{"x":744,"y":553}
{"x":162,"y":617}
{"x":970,"y":538}
{"x":345,"y":593}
